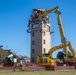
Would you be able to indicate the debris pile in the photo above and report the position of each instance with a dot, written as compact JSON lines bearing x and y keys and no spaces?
{"x":35,"y":19}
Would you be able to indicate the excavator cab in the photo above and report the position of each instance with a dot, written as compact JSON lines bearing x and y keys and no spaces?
{"x":45,"y":61}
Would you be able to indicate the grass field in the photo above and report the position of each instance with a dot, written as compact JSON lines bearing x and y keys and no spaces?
{"x":40,"y":73}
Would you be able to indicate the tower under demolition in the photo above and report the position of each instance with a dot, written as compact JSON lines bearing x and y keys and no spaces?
{"x":39,"y":28}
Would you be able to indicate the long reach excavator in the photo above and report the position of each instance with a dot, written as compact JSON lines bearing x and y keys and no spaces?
{"x":47,"y":59}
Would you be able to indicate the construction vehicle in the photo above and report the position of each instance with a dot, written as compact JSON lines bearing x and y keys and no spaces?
{"x":10,"y":61}
{"x":46,"y":59}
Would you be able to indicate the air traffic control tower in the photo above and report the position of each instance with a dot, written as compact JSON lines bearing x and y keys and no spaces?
{"x":39,"y":29}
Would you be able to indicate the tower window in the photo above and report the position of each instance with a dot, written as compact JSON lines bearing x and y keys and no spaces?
{"x":33,"y":34}
{"x":44,"y":42}
{"x":36,"y":26}
{"x":33,"y":51}
{"x":49,"y":28}
{"x":44,"y":50}
{"x":33,"y":42}
{"x":44,"y":33}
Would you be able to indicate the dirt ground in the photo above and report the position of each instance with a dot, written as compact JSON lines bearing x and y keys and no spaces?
{"x":34,"y":68}
{"x":26,"y":68}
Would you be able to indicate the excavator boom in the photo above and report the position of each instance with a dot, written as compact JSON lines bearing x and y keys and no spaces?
{"x":46,"y":12}
{"x":55,"y":48}
{"x":56,"y":10}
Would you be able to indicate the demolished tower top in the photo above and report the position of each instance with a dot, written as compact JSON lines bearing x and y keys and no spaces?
{"x":35,"y":19}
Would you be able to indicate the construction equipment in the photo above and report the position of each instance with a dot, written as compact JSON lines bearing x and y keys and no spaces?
{"x":46,"y":59}
{"x":71,"y":54}
{"x":56,"y":10}
{"x":15,"y":61}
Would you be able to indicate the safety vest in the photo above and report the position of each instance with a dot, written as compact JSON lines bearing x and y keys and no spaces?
{"x":14,"y":60}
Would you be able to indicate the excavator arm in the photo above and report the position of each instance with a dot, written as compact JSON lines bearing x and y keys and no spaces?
{"x":44,"y":13}
{"x":56,"y":10}
{"x":72,"y":50}
{"x":55,"y":48}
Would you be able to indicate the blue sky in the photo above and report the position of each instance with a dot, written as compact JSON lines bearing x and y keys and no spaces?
{"x":14,"y":16}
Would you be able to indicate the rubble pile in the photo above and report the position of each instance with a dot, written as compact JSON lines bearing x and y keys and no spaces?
{"x":35,"y":19}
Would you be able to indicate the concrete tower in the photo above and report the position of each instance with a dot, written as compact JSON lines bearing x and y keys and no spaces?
{"x":40,"y":35}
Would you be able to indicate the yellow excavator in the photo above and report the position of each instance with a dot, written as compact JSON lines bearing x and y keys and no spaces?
{"x":46,"y":59}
